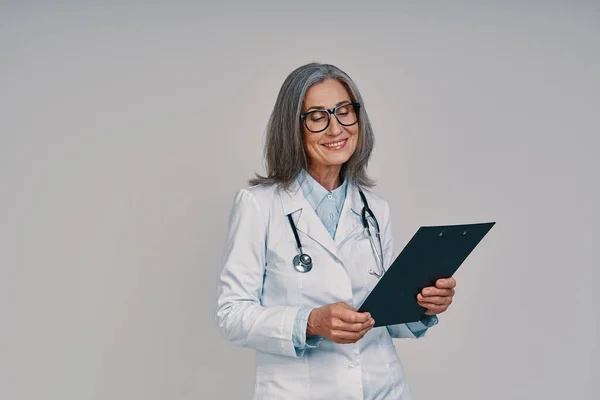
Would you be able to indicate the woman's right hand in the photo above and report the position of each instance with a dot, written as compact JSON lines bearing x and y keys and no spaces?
{"x":339,"y":323}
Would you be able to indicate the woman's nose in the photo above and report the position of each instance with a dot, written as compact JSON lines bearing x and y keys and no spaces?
{"x":334,"y":128}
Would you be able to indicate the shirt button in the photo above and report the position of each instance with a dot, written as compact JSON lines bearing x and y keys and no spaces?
{"x":351,"y":366}
{"x":329,"y":196}
{"x":331,"y":216}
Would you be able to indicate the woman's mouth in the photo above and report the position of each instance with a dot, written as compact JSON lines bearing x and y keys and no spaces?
{"x":335,"y":145}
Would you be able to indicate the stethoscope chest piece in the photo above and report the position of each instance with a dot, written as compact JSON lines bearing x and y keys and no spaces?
{"x":302,"y":262}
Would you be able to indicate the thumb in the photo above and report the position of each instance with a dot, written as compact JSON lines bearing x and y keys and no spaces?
{"x":346,"y":306}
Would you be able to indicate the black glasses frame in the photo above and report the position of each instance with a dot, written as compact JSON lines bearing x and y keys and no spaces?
{"x":329,"y":113}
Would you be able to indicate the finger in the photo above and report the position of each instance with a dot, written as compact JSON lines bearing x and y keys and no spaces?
{"x":432,"y":305}
{"x":433,"y":308}
{"x":351,"y":316}
{"x":343,"y":336}
{"x":365,"y":326}
{"x":349,"y":337}
{"x":433,"y":291}
{"x":354,"y":335}
{"x":439,"y":300}
{"x":449,"y":283}
{"x":340,"y":325}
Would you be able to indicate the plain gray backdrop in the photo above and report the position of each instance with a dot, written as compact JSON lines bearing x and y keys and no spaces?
{"x":126,"y":129}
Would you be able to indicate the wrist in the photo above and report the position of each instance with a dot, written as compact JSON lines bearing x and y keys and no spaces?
{"x":311,"y":329}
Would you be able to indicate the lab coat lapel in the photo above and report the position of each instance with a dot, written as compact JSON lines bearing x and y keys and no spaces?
{"x":350,"y":216}
{"x":306,"y":219}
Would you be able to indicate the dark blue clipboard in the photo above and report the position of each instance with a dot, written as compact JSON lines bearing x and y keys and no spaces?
{"x":434,"y":252}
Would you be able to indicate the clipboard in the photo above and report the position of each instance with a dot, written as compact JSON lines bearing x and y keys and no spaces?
{"x":434,"y":252}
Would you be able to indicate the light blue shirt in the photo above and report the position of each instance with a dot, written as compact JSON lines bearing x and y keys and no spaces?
{"x":328,"y":206}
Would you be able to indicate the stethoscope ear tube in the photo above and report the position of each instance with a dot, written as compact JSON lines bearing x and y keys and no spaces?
{"x":378,"y":254}
{"x":366,"y":210}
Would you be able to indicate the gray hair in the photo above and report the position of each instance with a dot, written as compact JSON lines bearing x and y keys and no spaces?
{"x":284,"y":149}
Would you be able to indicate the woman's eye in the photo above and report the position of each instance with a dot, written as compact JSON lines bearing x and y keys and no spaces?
{"x":343,"y":114}
{"x":317,"y":119}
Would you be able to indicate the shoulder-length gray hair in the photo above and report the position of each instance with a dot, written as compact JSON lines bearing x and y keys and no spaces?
{"x":284,"y":149}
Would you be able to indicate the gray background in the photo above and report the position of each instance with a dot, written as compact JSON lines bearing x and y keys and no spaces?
{"x":125,"y":131}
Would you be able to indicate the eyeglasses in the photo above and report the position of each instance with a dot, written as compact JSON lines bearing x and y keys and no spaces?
{"x":318,"y":120}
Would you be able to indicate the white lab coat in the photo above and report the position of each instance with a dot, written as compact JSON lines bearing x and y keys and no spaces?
{"x":259,"y":294}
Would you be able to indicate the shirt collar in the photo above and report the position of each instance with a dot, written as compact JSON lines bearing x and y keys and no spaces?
{"x":315,"y":193}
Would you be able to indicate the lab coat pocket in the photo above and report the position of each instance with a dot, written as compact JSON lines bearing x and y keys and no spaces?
{"x":392,"y":360}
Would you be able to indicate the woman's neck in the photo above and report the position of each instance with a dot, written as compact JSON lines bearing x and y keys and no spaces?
{"x":328,"y":177}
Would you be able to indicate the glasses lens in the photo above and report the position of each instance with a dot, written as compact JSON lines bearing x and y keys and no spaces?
{"x":317,"y":120}
{"x":346,"y":114}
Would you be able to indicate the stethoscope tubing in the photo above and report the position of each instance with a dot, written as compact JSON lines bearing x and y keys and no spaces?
{"x":303,"y":262}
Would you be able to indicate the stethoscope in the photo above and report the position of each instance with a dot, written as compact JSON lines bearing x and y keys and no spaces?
{"x":303,"y":262}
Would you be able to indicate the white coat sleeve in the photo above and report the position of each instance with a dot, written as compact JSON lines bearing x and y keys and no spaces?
{"x":415,"y":329}
{"x":240,"y":315}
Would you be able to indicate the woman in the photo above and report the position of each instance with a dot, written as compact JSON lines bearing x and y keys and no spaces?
{"x":299,"y":312}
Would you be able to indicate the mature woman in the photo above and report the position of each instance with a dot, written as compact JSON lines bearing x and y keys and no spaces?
{"x":297,"y":260}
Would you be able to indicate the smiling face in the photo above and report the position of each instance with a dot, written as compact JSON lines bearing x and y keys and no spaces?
{"x":328,"y":149}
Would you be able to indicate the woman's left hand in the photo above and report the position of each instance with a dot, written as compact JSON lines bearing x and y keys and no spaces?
{"x":436,"y":299}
